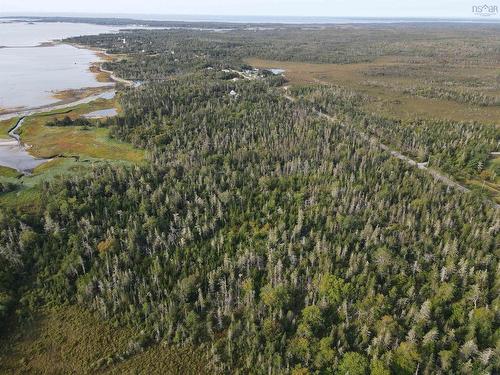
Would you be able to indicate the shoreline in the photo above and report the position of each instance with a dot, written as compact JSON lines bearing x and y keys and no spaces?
{"x":105,"y":57}
{"x":14,"y":143}
{"x":71,"y":97}
{"x":59,"y":105}
{"x":65,"y":99}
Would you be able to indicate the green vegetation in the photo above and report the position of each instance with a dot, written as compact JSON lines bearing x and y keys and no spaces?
{"x":258,"y":237}
{"x":67,"y":121}
{"x":8,"y":172}
{"x":48,"y":135}
{"x":5,"y":127}
{"x":461,"y":97}
{"x":75,"y":145}
{"x":393,"y":95}
{"x":462,"y":149}
{"x":69,"y":339}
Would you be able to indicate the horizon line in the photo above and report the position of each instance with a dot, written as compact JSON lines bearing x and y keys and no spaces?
{"x":133,"y":16}
{"x":255,"y":19}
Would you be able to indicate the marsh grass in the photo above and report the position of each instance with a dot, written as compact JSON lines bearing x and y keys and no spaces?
{"x":70,"y":340}
{"x":387,"y":91}
{"x":5,"y":127}
{"x":8,"y":172}
{"x":73,"y":149}
{"x":93,"y":142}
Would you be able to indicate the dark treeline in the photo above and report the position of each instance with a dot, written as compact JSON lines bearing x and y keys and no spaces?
{"x":275,"y":240}
{"x":68,"y":121}
{"x":458,"y":96}
{"x":451,"y":44}
{"x":131,"y":22}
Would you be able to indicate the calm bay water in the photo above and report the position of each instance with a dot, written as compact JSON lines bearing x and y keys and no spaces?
{"x":30,"y":34}
{"x":31,"y":74}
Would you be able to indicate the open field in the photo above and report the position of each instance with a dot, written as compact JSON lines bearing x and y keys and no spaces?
{"x":70,"y":340}
{"x":386,"y":91}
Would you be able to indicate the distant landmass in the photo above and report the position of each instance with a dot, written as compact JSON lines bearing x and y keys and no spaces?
{"x":258,"y":19}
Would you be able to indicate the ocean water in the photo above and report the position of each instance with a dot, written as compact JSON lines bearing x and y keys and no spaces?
{"x":30,"y":74}
{"x":29,"y":34}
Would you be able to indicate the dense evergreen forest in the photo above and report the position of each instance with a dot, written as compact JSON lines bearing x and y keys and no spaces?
{"x":275,"y":240}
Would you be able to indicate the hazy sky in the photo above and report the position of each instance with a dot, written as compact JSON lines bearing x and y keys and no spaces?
{"x":326,"y":8}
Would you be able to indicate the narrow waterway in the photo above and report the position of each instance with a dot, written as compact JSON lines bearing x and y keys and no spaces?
{"x":14,"y":154}
{"x":103,"y":113}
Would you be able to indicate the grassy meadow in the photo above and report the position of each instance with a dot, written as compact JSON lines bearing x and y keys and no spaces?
{"x":70,"y":340}
{"x":386,"y":80}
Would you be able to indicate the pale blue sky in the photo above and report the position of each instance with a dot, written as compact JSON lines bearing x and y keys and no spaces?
{"x":324,"y":8}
